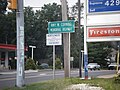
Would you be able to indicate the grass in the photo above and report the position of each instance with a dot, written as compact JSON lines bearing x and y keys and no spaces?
{"x":60,"y":84}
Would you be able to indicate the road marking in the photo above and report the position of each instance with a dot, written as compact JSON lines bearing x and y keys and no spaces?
{"x":40,"y":75}
{"x":5,"y":79}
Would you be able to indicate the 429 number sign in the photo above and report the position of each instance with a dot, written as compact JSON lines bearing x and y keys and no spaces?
{"x":112,"y":3}
{"x":103,"y":5}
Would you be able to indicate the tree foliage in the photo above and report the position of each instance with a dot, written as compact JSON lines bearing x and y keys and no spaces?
{"x":30,"y":64}
{"x":3,"y":5}
{"x":58,"y":63}
{"x":35,"y":26}
{"x":8,"y":28}
{"x":97,"y":52}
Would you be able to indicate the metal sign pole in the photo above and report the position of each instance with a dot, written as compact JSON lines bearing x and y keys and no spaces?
{"x":53,"y":61}
{"x":20,"y":44}
{"x":85,"y":40}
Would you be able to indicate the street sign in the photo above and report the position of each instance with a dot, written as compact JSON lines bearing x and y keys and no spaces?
{"x":61,"y":27}
{"x":53,"y":39}
{"x":103,"y":5}
{"x":96,"y":34}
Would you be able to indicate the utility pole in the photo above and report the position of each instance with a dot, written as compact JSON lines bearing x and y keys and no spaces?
{"x":80,"y":42}
{"x":20,"y":44}
{"x":66,"y":41}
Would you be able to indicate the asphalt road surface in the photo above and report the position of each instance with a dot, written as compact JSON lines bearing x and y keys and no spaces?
{"x":9,"y":79}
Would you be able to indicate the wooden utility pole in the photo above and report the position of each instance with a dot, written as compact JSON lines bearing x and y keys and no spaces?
{"x":66,"y":41}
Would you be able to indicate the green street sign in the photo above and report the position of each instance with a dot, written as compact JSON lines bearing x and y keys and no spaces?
{"x":61,"y":26}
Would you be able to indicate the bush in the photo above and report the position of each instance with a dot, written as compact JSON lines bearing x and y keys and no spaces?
{"x":58,"y":63}
{"x":30,"y":64}
{"x":39,"y":67}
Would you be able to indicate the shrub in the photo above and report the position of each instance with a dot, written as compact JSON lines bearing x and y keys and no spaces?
{"x":30,"y":64}
{"x":13,"y":64}
{"x":58,"y":63}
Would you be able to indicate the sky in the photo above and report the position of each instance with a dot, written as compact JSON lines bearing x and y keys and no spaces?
{"x":40,"y":3}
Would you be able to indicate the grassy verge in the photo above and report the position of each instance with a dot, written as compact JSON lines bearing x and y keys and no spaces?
{"x":60,"y":84}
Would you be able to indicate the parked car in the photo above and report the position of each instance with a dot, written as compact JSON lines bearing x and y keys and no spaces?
{"x":93,"y":66}
{"x":112,"y":66}
{"x":44,"y":66}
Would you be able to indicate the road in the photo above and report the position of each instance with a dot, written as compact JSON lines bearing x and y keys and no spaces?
{"x":9,"y":80}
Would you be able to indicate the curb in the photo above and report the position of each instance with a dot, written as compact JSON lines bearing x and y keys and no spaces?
{"x":107,"y":76}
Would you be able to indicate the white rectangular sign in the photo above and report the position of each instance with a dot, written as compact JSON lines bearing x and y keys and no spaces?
{"x":103,"y":19}
{"x":96,"y":34}
{"x":53,"y":39}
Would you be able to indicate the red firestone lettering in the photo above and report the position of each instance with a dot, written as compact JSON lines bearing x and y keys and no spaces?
{"x":93,"y":32}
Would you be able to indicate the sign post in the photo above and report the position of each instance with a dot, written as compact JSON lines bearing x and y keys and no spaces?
{"x":53,"y":61}
{"x":85,"y":41}
{"x":52,"y":40}
{"x":63,"y":27}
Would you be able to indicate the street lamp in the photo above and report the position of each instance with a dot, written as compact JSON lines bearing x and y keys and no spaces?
{"x":32,"y":49}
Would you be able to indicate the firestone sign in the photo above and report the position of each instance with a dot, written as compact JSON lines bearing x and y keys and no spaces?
{"x":101,"y":33}
{"x":104,"y":27}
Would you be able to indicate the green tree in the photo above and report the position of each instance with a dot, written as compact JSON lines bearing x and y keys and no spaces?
{"x":36,"y":24}
{"x":58,"y":63}
{"x":3,"y":5}
{"x":97,"y":52}
{"x":8,"y":28}
{"x":30,"y":64}
{"x":30,"y":29}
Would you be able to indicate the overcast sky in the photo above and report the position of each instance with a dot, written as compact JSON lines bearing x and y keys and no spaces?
{"x":40,"y":3}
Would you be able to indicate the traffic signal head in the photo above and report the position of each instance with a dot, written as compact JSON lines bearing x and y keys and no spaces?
{"x":12,"y":4}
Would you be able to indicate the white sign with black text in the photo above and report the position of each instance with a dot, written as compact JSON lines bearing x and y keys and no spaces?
{"x":53,"y":39}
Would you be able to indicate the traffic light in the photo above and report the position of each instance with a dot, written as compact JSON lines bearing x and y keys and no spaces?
{"x":3,"y":5}
{"x":71,"y":18}
{"x":12,"y":4}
